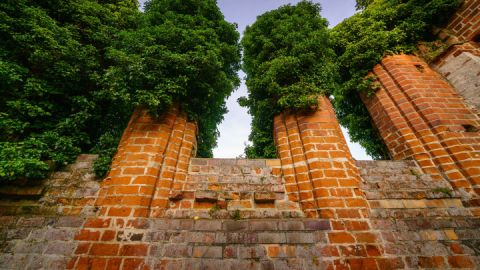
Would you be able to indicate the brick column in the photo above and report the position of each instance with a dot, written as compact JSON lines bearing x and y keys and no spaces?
{"x":151,"y":161}
{"x":421,"y":117}
{"x":320,"y":173}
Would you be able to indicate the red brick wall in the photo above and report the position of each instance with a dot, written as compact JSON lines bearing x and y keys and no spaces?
{"x":465,"y":24}
{"x":420,"y":116}
{"x":151,"y":163}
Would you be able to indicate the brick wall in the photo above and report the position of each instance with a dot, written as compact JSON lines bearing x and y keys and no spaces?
{"x":421,"y":117}
{"x":72,"y":191}
{"x":460,"y":63}
{"x":465,"y":24}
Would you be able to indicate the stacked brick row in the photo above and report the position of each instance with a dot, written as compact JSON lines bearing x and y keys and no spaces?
{"x":220,"y":188}
{"x":420,"y":221}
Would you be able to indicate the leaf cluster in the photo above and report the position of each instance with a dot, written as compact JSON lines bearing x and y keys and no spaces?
{"x":289,"y":62}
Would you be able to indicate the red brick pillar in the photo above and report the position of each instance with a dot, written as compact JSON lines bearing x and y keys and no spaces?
{"x":317,"y":165}
{"x":151,"y":161}
{"x":320,"y":173}
{"x":421,"y":117}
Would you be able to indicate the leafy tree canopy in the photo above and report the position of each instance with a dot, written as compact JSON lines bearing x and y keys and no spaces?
{"x":51,"y":59}
{"x":361,"y":41}
{"x":288,"y":59}
{"x":182,"y":52}
{"x":362,"y":4}
{"x":72,"y":71}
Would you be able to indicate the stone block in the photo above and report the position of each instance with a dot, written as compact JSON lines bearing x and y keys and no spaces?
{"x":177,"y":251}
{"x":232,"y":225}
{"x":60,"y":248}
{"x":265,"y":197}
{"x":299,"y":238}
{"x":291,"y":225}
{"x":317,"y":225}
{"x":251,"y":252}
{"x":238,"y":237}
{"x":208,"y":225}
{"x":207,"y":252}
{"x":271,"y":238}
{"x":263,"y":225}
{"x":69,"y":222}
{"x":230,"y":251}
{"x":206,"y":196}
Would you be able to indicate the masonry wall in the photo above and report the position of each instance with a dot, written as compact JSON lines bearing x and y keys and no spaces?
{"x":243,"y":214}
{"x":460,"y":63}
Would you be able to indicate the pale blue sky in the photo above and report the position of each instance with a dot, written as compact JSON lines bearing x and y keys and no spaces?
{"x":234,"y":130}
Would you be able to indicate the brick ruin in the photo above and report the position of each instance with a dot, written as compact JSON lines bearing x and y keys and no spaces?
{"x":314,"y":207}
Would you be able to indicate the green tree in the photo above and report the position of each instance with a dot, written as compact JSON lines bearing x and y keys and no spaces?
{"x":51,"y":59}
{"x":362,"y":4}
{"x":182,"y":52}
{"x":72,"y":71}
{"x":288,"y":59}
{"x":361,"y":41}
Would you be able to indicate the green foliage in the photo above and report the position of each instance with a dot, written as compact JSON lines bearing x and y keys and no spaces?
{"x":362,"y":4}
{"x":361,"y":41}
{"x":236,"y":215}
{"x":72,"y":71}
{"x":289,"y":62}
{"x":445,"y":191}
{"x":51,"y":56}
{"x":182,"y":52}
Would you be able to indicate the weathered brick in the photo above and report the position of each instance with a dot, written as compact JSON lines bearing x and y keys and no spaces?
{"x":177,"y":250}
{"x":300,"y":238}
{"x":208,"y":225}
{"x":317,"y":225}
{"x":340,"y":237}
{"x":235,"y":225}
{"x":62,"y":248}
{"x":291,"y":225}
{"x":263,"y":225}
{"x":207,"y":252}
{"x":271,"y":238}
{"x":251,"y":252}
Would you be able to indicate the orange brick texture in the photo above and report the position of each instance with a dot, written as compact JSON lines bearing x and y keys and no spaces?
{"x":320,"y":173}
{"x":421,"y":117}
{"x":465,"y":23}
{"x":151,"y":163}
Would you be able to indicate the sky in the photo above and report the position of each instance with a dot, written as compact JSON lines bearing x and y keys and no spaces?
{"x":235,"y":128}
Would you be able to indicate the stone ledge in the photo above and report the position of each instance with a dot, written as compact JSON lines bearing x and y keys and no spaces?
{"x":399,"y":204}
